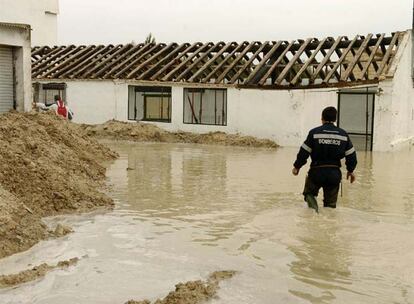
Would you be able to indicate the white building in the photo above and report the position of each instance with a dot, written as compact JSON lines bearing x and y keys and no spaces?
{"x":273,"y":90}
{"x":22,"y":23}
{"x":41,"y":15}
{"x":15,"y":67}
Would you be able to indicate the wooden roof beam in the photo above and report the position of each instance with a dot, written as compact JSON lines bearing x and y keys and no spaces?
{"x":49,"y":56}
{"x":340,"y":60}
{"x":146,"y":62}
{"x":307,"y":63}
{"x":309,"y":55}
{"x":198,"y":60}
{"x":65,"y":59}
{"x":225,"y":59}
{"x":37,"y":50}
{"x":125,"y":61}
{"x":342,"y":45}
{"x":86,"y":61}
{"x":68,"y":62}
{"x":371,"y":58}
{"x":136,"y":60}
{"x":332,"y":64}
{"x":265,"y":59}
{"x":293,"y":61}
{"x":359,"y":64}
{"x":45,"y":58}
{"x":387,"y":55}
{"x":236,"y":60}
{"x":322,"y":73}
{"x":249,"y":62}
{"x":356,"y":58}
{"x":326,"y":59}
{"x":345,"y":65}
{"x":122,"y":60}
{"x":87,"y":66}
{"x":183,"y":64}
{"x":43,"y":65}
{"x":275,"y":64}
{"x":78,"y":61}
{"x":195,"y":45}
{"x":211,"y":61}
{"x":374,"y":63}
{"x":162,"y":61}
{"x":112,"y":59}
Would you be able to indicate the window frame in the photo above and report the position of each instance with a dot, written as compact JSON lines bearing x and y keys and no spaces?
{"x":51,"y":86}
{"x":169,"y":107}
{"x":152,"y":91}
{"x":202,"y":90}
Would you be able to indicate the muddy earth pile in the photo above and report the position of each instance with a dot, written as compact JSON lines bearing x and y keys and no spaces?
{"x":33,"y":274}
{"x":48,"y":166}
{"x":193,"y":292}
{"x":146,"y":132}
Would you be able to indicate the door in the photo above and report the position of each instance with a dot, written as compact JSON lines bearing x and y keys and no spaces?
{"x":356,"y":116}
{"x":6,"y":79}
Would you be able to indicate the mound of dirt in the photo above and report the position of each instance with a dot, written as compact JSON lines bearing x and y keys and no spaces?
{"x":48,"y":166}
{"x":193,"y":292}
{"x":146,"y":132}
{"x":19,"y":229}
{"x":37,"y":272}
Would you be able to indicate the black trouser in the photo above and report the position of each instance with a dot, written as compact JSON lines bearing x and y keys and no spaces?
{"x":328,"y":178}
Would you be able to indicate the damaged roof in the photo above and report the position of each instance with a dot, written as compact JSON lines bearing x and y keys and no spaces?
{"x":270,"y":64}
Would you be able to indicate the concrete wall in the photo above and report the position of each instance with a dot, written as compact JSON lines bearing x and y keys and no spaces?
{"x":41,"y":15}
{"x":284,"y":116}
{"x":394,"y":111}
{"x":95,"y":102}
{"x":19,"y":39}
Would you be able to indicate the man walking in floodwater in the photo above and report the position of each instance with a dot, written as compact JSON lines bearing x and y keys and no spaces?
{"x":326,"y":145}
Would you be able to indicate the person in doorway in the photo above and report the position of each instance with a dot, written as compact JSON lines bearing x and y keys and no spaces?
{"x":58,"y":106}
{"x":326,"y":145}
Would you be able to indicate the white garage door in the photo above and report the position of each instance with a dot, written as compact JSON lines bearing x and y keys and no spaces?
{"x":6,"y":79}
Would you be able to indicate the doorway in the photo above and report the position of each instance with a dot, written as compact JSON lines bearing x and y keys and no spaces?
{"x":356,"y":116}
{"x":7,"y":80}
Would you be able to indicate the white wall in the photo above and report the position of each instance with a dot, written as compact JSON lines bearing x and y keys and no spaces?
{"x":284,"y":116}
{"x":19,"y":39}
{"x":394,"y":111}
{"x":281,"y":115}
{"x":41,"y":15}
{"x":95,"y":102}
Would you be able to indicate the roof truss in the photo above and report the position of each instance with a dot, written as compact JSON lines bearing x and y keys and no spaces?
{"x":296,"y":63}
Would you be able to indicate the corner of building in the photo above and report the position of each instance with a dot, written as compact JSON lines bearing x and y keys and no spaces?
{"x":16,"y":88}
{"x":395,"y":107}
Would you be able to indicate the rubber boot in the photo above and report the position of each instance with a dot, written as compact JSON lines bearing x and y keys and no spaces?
{"x":312,"y":203}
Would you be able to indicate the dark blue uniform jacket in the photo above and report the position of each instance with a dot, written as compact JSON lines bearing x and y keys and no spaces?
{"x":327,"y":145}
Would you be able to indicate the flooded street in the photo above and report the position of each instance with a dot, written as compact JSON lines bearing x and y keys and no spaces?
{"x":184,"y":211}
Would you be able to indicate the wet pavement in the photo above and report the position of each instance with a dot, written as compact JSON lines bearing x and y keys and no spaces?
{"x":184,"y":211}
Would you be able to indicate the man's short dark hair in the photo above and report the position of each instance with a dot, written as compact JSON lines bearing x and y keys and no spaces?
{"x":329,"y":114}
{"x":57,"y":97}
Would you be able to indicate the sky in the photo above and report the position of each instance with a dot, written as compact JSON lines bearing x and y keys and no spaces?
{"x":123,"y":21}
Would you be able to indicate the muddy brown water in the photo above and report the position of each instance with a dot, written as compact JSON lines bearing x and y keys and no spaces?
{"x":185,"y":211}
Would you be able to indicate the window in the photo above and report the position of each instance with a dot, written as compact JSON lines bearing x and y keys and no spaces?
{"x":205,"y":106}
{"x":149,"y":103}
{"x":45,"y":92}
